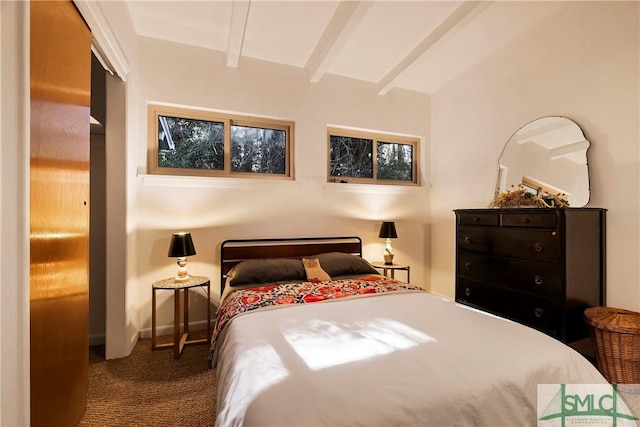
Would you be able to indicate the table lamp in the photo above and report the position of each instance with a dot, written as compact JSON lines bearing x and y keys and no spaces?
{"x":181,"y":247}
{"x":388,"y":232}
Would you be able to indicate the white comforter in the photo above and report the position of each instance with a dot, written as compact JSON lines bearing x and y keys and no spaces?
{"x":397,"y":359}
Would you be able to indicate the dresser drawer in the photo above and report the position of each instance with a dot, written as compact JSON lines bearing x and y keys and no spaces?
{"x":479,"y":218}
{"x":540,"y":278}
{"x":534,"y":219}
{"x":536,"y":245}
{"x":537,"y":312}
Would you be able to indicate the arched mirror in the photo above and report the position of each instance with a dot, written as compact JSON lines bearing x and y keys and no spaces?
{"x":547,"y":156}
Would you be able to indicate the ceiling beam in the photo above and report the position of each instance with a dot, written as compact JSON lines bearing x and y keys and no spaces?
{"x":237,"y":27}
{"x":455,"y":21}
{"x":569,"y":149}
{"x":343,"y":23}
{"x":547,"y":129}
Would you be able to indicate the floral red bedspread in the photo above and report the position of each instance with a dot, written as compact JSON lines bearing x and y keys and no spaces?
{"x":244,"y":300}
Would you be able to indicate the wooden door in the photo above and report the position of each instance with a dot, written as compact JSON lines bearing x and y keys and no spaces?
{"x":59,"y":212}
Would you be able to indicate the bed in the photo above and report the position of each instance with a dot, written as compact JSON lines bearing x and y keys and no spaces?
{"x":295,"y":348}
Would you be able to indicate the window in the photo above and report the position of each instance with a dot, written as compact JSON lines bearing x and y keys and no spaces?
{"x":203,"y":143}
{"x":367,"y":157}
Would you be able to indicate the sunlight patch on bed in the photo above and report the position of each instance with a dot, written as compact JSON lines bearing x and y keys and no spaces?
{"x":322,"y":344}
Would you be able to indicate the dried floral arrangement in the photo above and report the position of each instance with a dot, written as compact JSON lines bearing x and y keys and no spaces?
{"x":518,"y":197}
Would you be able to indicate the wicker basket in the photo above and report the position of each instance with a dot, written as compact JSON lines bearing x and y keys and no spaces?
{"x":616,"y":333}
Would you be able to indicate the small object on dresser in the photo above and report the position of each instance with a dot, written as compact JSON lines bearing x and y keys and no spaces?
{"x":519,"y":197}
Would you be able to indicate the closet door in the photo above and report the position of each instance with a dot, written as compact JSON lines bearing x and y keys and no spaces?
{"x":59,"y":212}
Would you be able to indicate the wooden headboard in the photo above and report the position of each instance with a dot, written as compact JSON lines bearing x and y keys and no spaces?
{"x":234,"y":251}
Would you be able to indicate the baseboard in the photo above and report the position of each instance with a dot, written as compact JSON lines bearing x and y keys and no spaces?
{"x":134,"y":337}
{"x":96,"y":339}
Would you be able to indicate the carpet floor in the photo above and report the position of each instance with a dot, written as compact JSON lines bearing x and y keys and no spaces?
{"x":151,"y":388}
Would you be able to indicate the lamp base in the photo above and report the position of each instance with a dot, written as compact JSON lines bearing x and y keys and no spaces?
{"x":181,"y":274}
{"x":388,"y":258}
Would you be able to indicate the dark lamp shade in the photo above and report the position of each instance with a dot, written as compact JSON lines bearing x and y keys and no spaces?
{"x":388,"y":230}
{"x":181,"y":245}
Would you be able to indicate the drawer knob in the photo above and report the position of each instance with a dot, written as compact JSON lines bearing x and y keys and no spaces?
{"x":467,"y":266}
{"x":539,"y":312}
{"x":476,"y":219}
{"x":467,"y":239}
{"x":525,"y":220}
{"x":538,"y":280}
{"x":467,"y":292}
{"x":538,"y":247}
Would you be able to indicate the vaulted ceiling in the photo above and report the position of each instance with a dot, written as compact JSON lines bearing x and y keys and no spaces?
{"x":414,"y":45}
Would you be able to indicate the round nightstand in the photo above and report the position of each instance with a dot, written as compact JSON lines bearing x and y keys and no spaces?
{"x":392,"y":268}
{"x":180,"y":340}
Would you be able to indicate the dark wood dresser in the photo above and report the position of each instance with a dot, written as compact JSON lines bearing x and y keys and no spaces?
{"x":538,"y":266}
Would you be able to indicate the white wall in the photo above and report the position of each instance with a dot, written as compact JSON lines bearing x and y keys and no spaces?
{"x":14,"y":214}
{"x":215,"y":209}
{"x":582,"y":63}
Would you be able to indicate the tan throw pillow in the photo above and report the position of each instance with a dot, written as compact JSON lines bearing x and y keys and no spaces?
{"x":314,"y":271}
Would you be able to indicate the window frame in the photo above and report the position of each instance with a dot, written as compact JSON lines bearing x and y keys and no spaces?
{"x":376,"y":137}
{"x":156,"y":110}
{"x":540,"y":188}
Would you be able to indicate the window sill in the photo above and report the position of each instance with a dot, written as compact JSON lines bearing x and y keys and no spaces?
{"x":209,"y":182}
{"x":372,"y":188}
